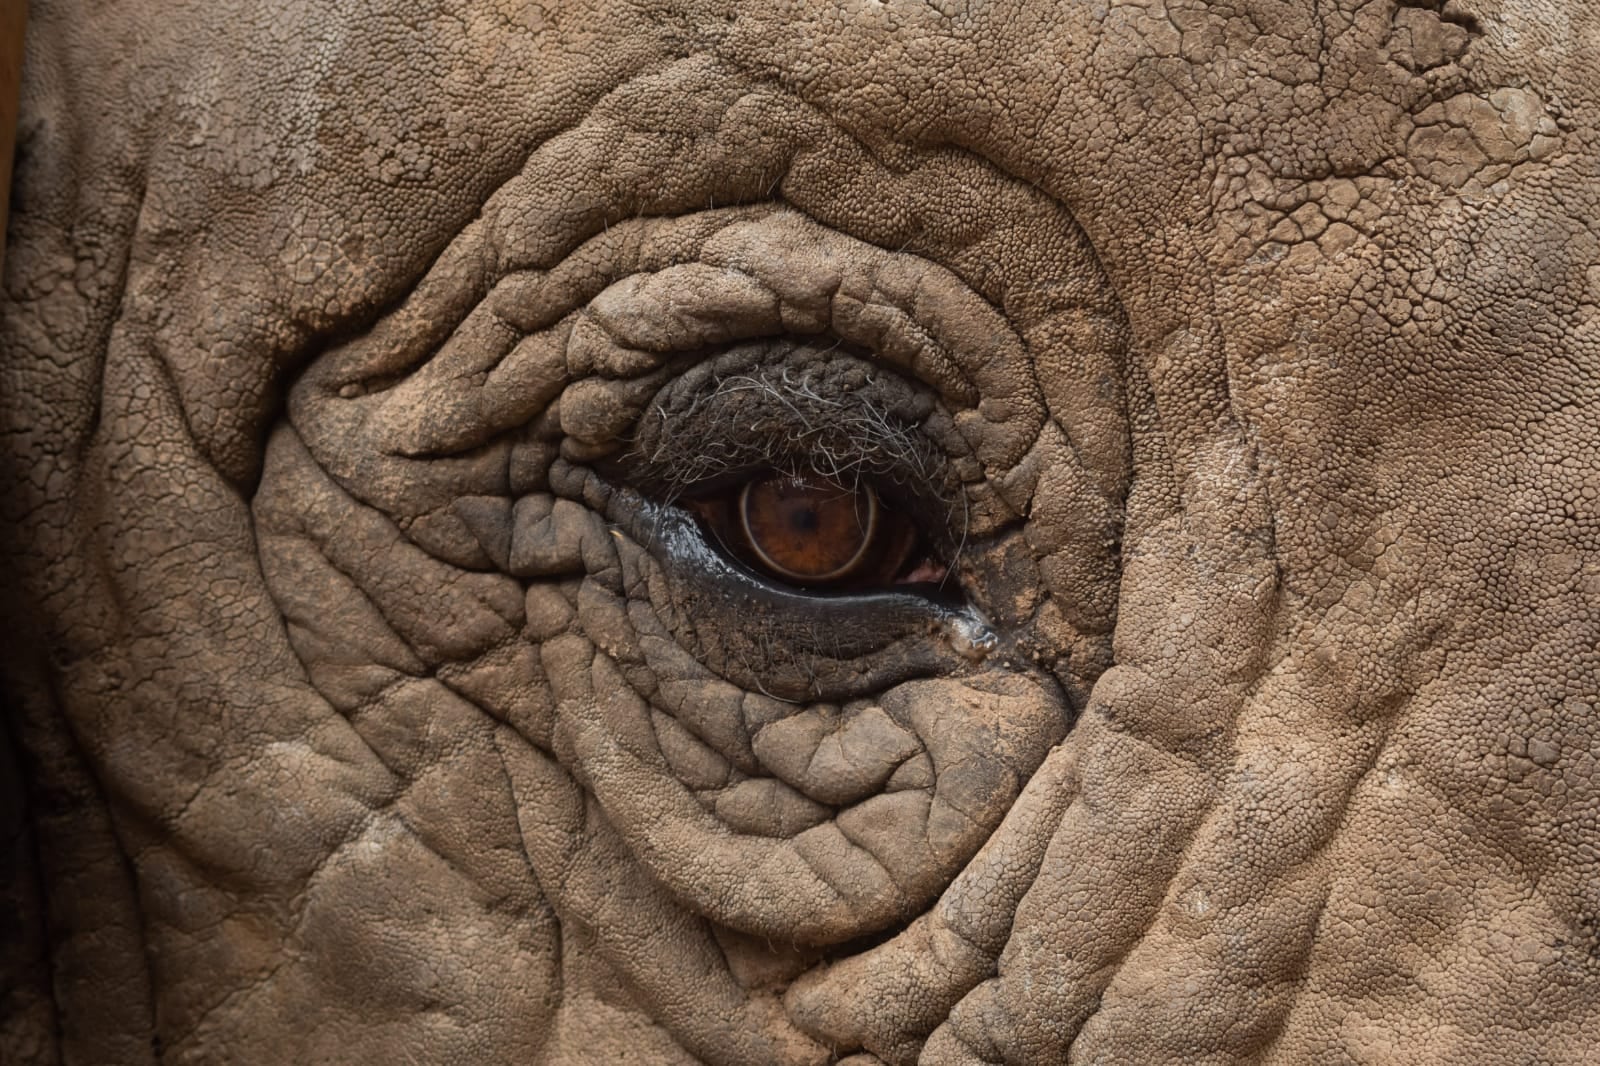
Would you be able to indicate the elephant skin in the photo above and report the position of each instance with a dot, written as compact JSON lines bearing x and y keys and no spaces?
{"x":381,"y":688}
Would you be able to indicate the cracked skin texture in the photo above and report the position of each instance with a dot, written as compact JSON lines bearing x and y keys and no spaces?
{"x":374,"y":698}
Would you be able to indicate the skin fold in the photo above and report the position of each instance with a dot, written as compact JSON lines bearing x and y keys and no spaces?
{"x":374,"y":693}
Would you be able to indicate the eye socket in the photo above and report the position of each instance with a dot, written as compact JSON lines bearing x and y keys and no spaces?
{"x":813,"y":532}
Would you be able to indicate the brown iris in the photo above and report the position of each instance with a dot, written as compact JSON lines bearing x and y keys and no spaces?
{"x":806,"y":529}
{"x":812,"y":531}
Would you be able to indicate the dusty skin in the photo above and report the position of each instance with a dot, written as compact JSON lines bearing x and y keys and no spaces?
{"x":376,"y":694}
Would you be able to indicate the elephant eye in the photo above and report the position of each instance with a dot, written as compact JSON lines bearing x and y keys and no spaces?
{"x":814,"y":532}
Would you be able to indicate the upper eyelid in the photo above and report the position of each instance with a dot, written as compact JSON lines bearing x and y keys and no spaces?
{"x":760,"y":274}
{"x":555,"y":234}
{"x":409,"y":422}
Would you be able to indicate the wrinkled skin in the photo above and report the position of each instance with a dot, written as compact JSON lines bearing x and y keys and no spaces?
{"x":376,"y":699}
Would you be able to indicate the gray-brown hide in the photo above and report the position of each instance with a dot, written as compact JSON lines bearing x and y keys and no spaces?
{"x":376,"y":695}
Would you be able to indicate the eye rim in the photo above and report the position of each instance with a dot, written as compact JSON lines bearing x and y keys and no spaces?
{"x":869,"y":530}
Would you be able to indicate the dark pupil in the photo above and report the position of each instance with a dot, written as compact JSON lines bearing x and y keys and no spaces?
{"x":804,"y":519}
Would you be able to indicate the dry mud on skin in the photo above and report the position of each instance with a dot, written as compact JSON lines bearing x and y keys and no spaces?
{"x":389,"y":678}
